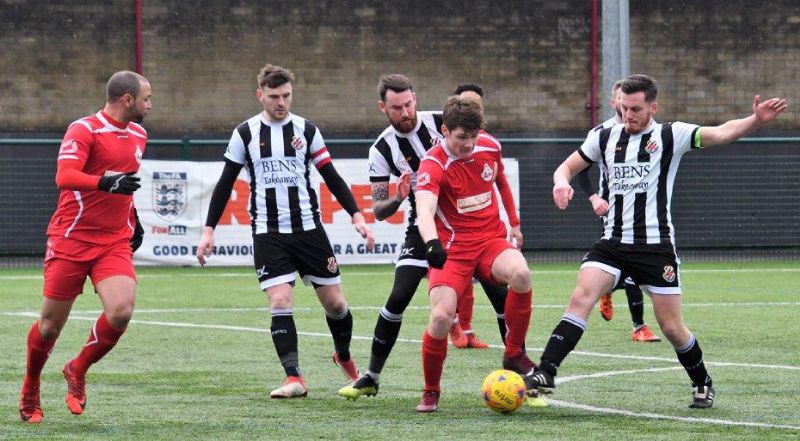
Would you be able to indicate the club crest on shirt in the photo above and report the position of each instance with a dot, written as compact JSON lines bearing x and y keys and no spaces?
{"x":435,"y":140}
{"x":651,"y":146}
{"x":169,"y":194}
{"x":332,"y":264}
{"x":298,"y":142}
{"x":487,"y":174}
{"x":138,"y":155}
{"x":669,"y":273}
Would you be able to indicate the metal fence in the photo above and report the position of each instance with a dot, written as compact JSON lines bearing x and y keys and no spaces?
{"x":731,"y":202}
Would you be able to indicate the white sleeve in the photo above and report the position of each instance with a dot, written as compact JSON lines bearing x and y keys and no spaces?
{"x":378,"y":167}
{"x":236,"y":147}
{"x":683,"y":136}
{"x":591,"y":149}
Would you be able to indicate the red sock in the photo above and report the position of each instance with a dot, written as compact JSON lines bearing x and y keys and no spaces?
{"x":466,"y":301}
{"x":434,"y":352}
{"x":101,"y":340}
{"x":38,"y":352}
{"x":518,"y":316}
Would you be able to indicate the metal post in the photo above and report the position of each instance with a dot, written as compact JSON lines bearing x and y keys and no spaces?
{"x":185,"y":149}
{"x":616,"y":47}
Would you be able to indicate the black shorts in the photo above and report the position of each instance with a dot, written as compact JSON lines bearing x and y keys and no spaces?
{"x":413,"y":251}
{"x":278,"y":255}
{"x":654,"y":267}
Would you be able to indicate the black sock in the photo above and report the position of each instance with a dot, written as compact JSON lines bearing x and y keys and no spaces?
{"x":691,"y":357}
{"x":386,"y":332}
{"x":342,"y":332}
{"x":635,"y":304}
{"x":284,"y":337}
{"x":501,"y":325}
{"x":497,"y":296}
{"x":406,"y":281}
{"x":562,"y":341}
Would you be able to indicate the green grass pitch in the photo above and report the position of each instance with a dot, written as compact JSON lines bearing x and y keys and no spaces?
{"x":197,"y":363}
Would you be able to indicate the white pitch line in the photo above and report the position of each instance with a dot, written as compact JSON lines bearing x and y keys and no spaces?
{"x":405,"y":340}
{"x":550,"y":400}
{"x":656,"y":416}
{"x":346,"y":273}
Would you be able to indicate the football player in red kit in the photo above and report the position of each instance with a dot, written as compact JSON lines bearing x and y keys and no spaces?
{"x":459,"y":222}
{"x":93,"y":233}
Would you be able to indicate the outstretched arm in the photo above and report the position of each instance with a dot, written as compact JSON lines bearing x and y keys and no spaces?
{"x":730,"y":131}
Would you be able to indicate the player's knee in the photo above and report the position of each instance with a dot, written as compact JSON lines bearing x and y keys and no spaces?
{"x":440,"y":321}
{"x":119,"y":316}
{"x":521,"y":279}
{"x":49,"y":329}
{"x":581,"y":299}
{"x":336,"y":306}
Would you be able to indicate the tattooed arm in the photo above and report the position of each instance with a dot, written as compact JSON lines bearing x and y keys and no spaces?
{"x":382,"y":205}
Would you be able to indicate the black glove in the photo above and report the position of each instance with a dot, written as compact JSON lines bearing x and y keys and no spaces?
{"x":435,"y":254}
{"x":123,"y":183}
{"x":138,"y":233}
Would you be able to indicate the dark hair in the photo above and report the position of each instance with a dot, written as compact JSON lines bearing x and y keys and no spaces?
{"x":468,"y":87}
{"x":617,"y":85}
{"x":397,"y":83}
{"x":274,"y":76}
{"x":462,"y":112}
{"x":640,"y":83}
{"x":122,"y":83}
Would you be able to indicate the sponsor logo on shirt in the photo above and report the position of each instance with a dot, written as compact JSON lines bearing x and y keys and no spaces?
{"x":423,"y":179}
{"x":474,"y":203}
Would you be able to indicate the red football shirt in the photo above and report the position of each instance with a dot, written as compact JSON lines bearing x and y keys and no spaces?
{"x":97,"y":145}
{"x":467,"y":212}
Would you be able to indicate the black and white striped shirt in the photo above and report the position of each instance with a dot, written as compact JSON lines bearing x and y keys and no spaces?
{"x":394,"y":153}
{"x":640,"y":171}
{"x":277,"y":157}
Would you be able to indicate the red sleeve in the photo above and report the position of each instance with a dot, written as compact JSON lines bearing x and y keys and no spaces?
{"x":429,"y":176}
{"x":72,"y":156}
{"x":508,"y":199}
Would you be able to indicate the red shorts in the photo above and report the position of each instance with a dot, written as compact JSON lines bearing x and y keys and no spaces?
{"x":463,"y":263}
{"x":67,"y":262}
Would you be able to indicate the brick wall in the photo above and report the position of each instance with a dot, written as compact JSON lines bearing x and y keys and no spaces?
{"x":710,"y":58}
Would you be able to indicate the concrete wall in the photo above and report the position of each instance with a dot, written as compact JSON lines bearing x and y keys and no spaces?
{"x":710,"y":58}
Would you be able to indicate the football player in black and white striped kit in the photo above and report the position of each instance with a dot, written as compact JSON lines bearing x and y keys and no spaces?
{"x":599,"y":200}
{"x":640,"y":159}
{"x":277,"y":149}
{"x":398,"y":152}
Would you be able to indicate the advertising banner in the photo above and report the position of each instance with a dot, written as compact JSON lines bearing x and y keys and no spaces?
{"x":173,"y":204}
